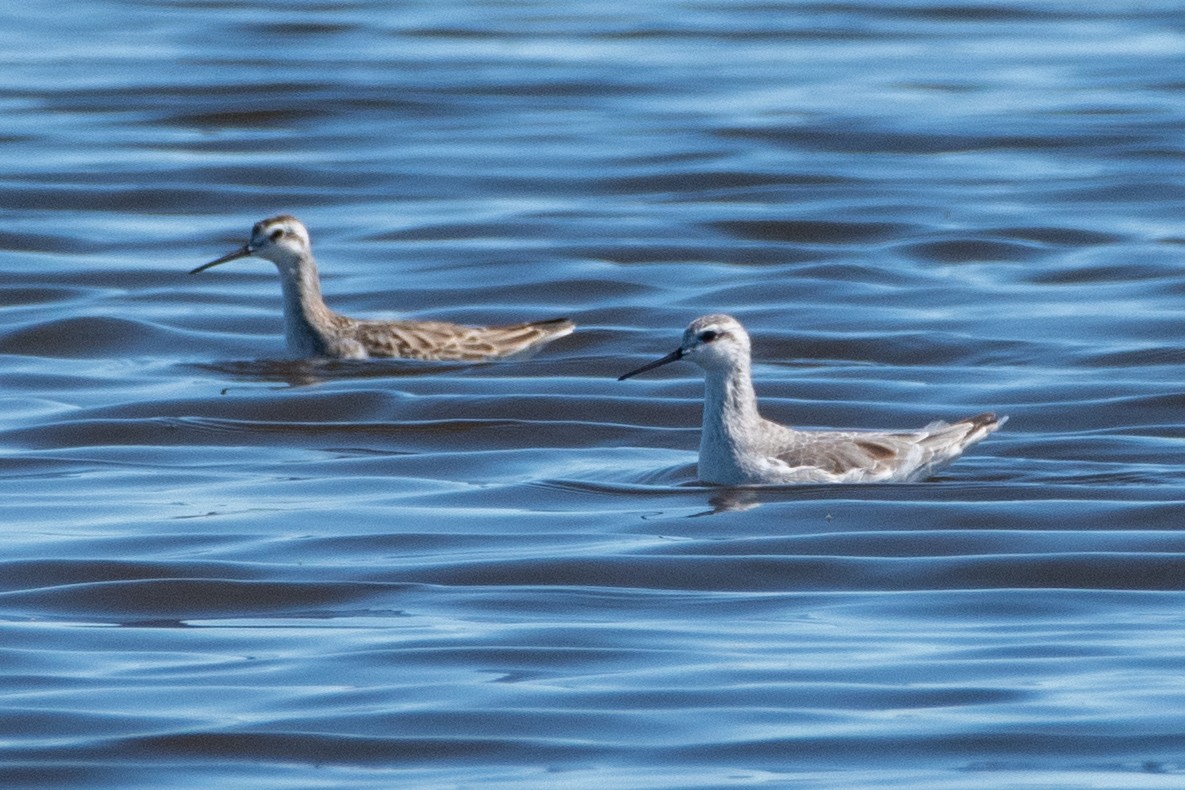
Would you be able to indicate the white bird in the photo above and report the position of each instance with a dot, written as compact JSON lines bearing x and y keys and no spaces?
{"x":740,"y":447}
{"x":313,"y":330}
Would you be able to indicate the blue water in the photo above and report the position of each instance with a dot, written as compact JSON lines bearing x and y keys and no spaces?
{"x":221,"y":568}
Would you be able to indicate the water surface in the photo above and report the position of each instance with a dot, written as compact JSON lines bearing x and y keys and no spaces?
{"x":220,"y":566}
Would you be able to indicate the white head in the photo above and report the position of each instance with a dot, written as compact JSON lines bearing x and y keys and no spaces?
{"x":714,"y":342}
{"x":283,"y":240}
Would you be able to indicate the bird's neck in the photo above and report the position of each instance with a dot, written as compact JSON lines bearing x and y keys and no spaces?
{"x":731,"y":418}
{"x":306,"y":318}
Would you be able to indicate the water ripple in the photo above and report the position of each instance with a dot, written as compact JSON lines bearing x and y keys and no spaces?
{"x":233,"y":569}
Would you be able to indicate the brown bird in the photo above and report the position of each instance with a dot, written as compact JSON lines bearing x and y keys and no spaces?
{"x":313,"y":330}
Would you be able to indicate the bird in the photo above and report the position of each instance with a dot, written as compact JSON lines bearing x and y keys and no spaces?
{"x":312,"y":329}
{"x":739,"y":447}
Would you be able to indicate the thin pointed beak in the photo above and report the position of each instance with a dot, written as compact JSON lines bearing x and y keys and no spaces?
{"x":241,"y":252}
{"x":674,"y":356}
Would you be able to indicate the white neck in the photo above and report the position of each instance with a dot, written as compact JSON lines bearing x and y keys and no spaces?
{"x":731,"y":421}
{"x":305,"y":313}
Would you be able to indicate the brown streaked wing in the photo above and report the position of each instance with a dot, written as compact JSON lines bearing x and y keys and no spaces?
{"x":442,"y":341}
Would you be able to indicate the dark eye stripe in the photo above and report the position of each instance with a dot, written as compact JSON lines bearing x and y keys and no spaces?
{"x":708,"y":335}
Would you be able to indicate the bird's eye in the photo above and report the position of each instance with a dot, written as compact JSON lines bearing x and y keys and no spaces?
{"x":708,"y":335}
{"x":276,"y":234}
